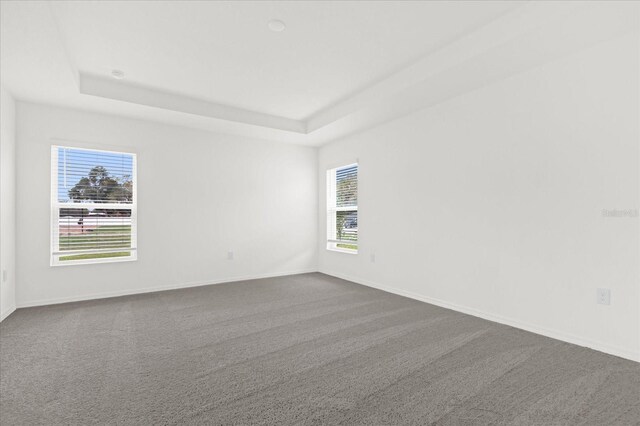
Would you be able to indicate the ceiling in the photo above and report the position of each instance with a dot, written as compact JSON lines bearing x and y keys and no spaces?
{"x":338,"y":67}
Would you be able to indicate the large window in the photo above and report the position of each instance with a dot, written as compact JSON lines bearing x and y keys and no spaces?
{"x":93,"y":206}
{"x":342,"y":209}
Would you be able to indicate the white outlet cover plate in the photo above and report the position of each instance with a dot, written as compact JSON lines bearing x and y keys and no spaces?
{"x":604,"y":296}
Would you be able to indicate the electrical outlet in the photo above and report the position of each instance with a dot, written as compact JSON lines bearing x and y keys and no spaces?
{"x":373,"y":258}
{"x":4,"y":275}
{"x":603,"y":296}
{"x":229,"y":255}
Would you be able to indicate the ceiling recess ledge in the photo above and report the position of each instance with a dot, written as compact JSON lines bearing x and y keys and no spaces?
{"x":127,"y":92}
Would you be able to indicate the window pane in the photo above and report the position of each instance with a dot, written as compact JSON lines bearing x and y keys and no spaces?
{"x":347,"y":186}
{"x":104,"y":231}
{"x":347,"y":229}
{"x":94,"y":176}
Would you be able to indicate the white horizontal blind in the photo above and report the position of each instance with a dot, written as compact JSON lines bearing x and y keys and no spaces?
{"x":342,"y":208}
{"x":93,"y":214}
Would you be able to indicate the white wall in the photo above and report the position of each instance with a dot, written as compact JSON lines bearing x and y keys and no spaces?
{"x":200,"y":195}
{"x":491,"y":203}
{"x":7,"y":204}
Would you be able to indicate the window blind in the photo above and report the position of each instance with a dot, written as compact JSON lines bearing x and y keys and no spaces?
{"x":342,"y":208}
{"x":94,"y":216}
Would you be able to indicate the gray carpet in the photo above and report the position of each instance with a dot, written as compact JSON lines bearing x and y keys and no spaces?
{"x":304,"y":349}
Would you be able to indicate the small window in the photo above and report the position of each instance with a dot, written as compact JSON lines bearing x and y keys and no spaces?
{"x":93,"y":208}
{"x":342,"y":209}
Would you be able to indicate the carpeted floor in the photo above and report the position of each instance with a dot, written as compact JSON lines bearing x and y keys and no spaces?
{"x":304,"y":349}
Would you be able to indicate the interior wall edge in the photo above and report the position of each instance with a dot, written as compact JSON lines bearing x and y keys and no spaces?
{"x":8,"y":312}
{"x":8,"y":187}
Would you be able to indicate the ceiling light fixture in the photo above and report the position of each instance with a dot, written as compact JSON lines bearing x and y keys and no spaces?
{"x":276,"y":25}
{"x":117,"y":74}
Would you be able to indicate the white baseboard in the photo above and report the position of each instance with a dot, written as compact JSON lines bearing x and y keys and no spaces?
{"x":106,"y":295}
{"x":8,"y":312}
{"x":554,"y":334}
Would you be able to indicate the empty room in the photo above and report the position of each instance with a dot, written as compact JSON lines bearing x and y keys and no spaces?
{"x":320,"y":212}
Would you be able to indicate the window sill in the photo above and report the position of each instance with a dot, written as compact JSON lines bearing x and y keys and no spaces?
{"x":56,"y":263}
{"x":340,"y":250}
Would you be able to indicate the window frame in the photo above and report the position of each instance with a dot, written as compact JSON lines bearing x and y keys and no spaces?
{"x":332,"y":209}
{"x":56,"y":205}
